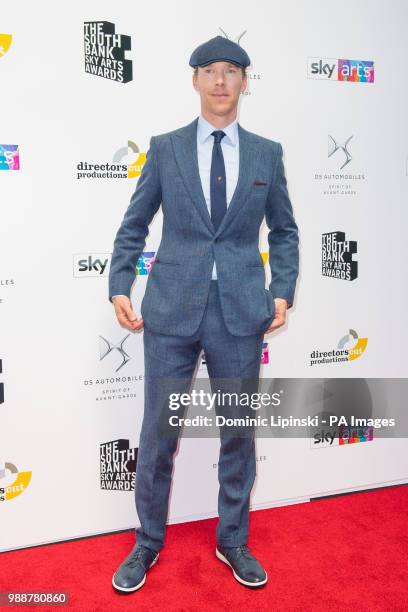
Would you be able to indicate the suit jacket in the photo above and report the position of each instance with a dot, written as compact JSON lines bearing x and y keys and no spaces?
{"x":178,"y":284}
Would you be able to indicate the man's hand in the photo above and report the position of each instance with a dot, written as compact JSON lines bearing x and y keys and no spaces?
{"x":125,"y":313}
{"x":281,"y":306}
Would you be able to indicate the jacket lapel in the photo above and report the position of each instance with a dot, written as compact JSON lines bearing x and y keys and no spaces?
{"x":185,"y":148}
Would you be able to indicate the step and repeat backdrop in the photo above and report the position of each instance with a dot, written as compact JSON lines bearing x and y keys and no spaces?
{"x":83,"y":88}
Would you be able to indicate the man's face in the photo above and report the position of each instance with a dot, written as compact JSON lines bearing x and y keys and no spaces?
{"x":219,"y":84}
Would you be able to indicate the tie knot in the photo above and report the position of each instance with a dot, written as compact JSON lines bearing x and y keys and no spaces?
{"x":218,"y":135}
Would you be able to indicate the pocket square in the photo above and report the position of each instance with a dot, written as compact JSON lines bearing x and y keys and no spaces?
{"x":259,"y":183}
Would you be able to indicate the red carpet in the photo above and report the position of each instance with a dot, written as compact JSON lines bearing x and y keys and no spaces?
{"x":343,"y":553}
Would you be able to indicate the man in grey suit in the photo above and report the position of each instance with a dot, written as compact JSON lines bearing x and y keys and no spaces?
{"x":216,"y":182}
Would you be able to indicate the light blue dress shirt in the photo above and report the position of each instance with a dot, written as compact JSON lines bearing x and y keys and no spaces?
{"x":230,"y":151}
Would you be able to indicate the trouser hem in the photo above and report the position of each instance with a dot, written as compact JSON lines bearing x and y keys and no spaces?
{"x":237,"y":541}
{"x":153,"y":545}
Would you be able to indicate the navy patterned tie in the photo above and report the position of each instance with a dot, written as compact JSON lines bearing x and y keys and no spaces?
{"x":218,"y":187}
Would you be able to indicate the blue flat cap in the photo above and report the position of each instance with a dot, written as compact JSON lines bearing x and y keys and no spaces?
{"x":219,"y":49}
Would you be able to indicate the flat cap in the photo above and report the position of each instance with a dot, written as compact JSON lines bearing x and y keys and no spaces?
{"x":219,"y":49}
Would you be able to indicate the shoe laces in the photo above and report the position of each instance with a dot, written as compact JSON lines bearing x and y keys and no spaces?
{"x":243,"y":550}
{"x":135,"y":557}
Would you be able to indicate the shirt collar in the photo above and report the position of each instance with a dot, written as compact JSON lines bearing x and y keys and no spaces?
{"x":204,"y":129}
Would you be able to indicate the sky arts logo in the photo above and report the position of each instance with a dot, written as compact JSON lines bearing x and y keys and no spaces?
{"x":352,"y":435}
{"x":9,"y":157}
{"x":105,"y":52}
{"x":127,"y":163}
{"x":265,"y":353}
{"x":12,"y":482}
{"x":5,"y":43}
{"x":118,"y":465}
{"x":94,"y":264}
{"x":342,"y":436}
{"x":98,"y":264}
{"x":349,"y":347}
{"x":264,"y":357}
{"x":145,"y":263}
{"x":356,"y":71}
{"x":337,"y":256}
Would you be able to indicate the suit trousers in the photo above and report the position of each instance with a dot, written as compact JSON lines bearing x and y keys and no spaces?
{"x":176,"y":356}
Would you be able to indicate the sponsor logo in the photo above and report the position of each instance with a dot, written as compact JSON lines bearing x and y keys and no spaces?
{"x":116,"y":351}
{"x":5,"y":43}
{"x":342,"y":436}
{"x":265,"y":353}
{"x":12,"y":482}
{"x":356,"y":71}
{"x":94,"y":264}
{"x":349,"y":348}
{"x":127,"y":163}
{"x":337,"y":256}
{"x":145,"y":263}
{"x":105,"y":52}
{"x":98,"y":264}
{"x":335,"y":146}
{"x":338,"y":177}
{"x":9,"y":157}
{"x":117,"y":465}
